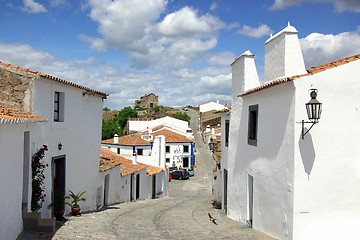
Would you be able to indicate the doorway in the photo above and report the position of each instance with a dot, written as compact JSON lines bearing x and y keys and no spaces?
{"x":225,"y":189}
{"x":137,"y":186}
{"x":26,"y":167}
{"x":250,"y":200}
{"x":59,"y":176}
{"x":154,"y":186}
{"x":106,"y":189}
{"x":131,"y":187}
{"x":185,"y":162}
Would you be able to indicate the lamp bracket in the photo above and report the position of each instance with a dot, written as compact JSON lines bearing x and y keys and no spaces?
{"x":303,"y":132}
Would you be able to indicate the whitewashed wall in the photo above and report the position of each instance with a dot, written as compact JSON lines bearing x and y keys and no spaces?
{"x":177,"y":154}
{"x":80,"y":135}
{"x":224,"y":160}
{"x":11,"y":172}
{"x":115,"y":187}
{"x":269,"y":163}
{"x":177,"y":124}
{"x":327,"y":166}
{"x":127,"y":150}
{"x":206,"y":107}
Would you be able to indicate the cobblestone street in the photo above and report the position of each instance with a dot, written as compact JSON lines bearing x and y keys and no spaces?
{"x":183,"y":215}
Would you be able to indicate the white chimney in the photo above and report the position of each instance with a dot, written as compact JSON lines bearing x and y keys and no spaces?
{"x":283,"y":56}
{"x":134,"y":158}
{"x":149,"y":130}
{"x":213,"y":131}
{"x":207,"y":128}
{"x":116,"y":138}
{"x":244,"y":74}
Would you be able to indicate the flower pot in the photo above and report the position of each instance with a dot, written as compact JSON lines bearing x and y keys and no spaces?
{"x":75,"y":210}
{"x":59,"y":215}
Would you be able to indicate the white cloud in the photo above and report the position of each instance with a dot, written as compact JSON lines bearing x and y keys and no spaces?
{"x":31,"y":6}
{"x":222,"y":59}
{"x":173,"y":40}
{"x":174,"y":87}
{"x":96,"y":44}
{"x":213,"y":6}
{"x":256,"y":32}
{"x":322,"y":48}
{"x":186,"y":22}
{"x":340,"y":5}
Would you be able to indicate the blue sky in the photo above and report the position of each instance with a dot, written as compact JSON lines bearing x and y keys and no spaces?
{"x":180,"y":50}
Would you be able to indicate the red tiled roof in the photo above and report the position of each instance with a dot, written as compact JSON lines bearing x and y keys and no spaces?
{"x":310,"y":71}
{"x":128,"y":140}
{"x":171,"y":136}
{"x":7,"y":65}
{"x":109,"y":160}
{"x":10,"y":115}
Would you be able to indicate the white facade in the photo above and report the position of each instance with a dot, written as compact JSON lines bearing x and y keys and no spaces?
{"x":286,"y":186}
{"x":142,"y":125}
{"x":13,"y":162}
{"x":209,"y":106}
{"x":78,"y":131}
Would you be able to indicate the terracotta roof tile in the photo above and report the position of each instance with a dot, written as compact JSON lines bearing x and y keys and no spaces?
{"x":171,"y":136}
{"x":109,"y":160}
{"x":310,"y":71}
{"x":103,"y":95}
{"x":128,"y":140}
{"x":10,"y":115}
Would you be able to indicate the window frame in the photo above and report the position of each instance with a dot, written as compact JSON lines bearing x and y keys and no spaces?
{"x":59,"y":101}
{"x":167,"y":149}
{"x":227,"y":132}
{"x":140,"y":151}
{"x":186,"y":147}
{"x":253,"y":120}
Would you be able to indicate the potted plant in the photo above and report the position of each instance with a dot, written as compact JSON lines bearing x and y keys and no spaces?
{"x":59,"y":205}
{"x":74,"y":203}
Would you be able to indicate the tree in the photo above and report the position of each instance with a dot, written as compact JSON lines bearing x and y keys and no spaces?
{"x":182,"y":116}
{"x":109,"y":128}
{"x":123,"y":116}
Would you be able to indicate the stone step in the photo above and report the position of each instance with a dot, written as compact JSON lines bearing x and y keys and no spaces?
{"x":33,"y":221}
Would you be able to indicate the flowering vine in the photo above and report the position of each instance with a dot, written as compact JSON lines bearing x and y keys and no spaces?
{"x":38,"y":167}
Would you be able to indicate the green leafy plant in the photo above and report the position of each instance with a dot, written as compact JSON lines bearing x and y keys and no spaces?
{"x":38,"y":177}
{"x":75,"y":198}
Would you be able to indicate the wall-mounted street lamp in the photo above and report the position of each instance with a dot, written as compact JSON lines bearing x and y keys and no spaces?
{"x":313,"y":109}
{"x":60,"y":146}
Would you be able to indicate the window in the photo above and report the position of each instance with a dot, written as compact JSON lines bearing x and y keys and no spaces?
{"x":227,"y":127}
{"x":139,"y":151}
{"x":167,"y":149}
{"x":167,"y":160}
{"x":253,"y":125}
{"x":118,"y":150}
{"x":58,"y":107}
{"x":186,"y":149}
{"x":151,"y":104}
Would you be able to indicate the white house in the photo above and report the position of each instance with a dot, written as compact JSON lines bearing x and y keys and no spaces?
{"x":179,"y":149}
{"x":211,"y":106}
{"x":277,"y":180}
{"x":15,"y":129}
{"x":72,"y":134}
{"x":143,"y":124}
{"x":133,"y":181}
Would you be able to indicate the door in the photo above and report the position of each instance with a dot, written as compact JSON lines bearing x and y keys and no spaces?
{"x":131,"y":187}
{"x":225,"y":189}
{"x":58,"y":167}
{"x":26,"y":167}
{"x":250,"y":198}
{"x":154,"y":186}
{"x":185,"y":162}
{"x":137,"y":186}
{"x":106,"y":190}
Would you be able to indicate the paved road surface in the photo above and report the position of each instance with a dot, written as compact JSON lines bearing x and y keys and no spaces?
{"x":184,"y":215}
